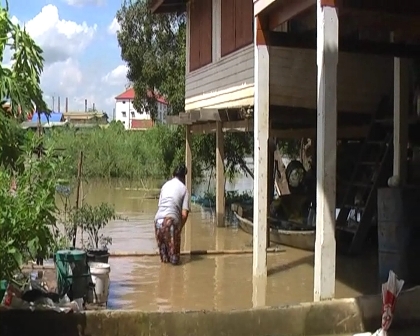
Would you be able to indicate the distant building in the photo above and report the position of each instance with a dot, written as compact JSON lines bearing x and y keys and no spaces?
{"x":91,"y":118}
{"x":54,"y":119}
{"x":133,"y":119}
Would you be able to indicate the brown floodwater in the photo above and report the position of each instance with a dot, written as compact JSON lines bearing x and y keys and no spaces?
{"x":208,"y":282}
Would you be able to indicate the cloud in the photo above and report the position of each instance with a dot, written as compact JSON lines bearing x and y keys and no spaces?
{"x":72,"y":68}
{"x":83,"y":3}
{"x":116,"y":77}
{"x":114,"y":27}
{"x":59,"y":38}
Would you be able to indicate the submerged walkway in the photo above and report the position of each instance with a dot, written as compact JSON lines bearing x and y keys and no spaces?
{"x":225,"y":282}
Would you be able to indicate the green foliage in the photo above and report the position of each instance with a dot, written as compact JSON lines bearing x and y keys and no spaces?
{"x":21,"y":81}
{"x":209,"y":198}
{"x":12,"y":138}
{"x":27,"y":216}
{"x":92,"y":219}
{"x":154,"y":48}
{"x":115,"y":153}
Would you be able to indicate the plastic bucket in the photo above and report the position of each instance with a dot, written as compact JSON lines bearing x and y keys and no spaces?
{"x":100,"y":278}
{"x":99,"y":256}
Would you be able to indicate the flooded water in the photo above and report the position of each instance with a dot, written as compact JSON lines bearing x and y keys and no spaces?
{"x":207,"y":282}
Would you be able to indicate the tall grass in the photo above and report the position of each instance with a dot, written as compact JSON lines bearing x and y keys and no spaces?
{"x":116,"y":153}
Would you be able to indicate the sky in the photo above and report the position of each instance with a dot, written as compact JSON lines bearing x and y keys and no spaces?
{"x":82,"y":56}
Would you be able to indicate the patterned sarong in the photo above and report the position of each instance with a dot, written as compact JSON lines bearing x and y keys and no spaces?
{"x":168,"y":237}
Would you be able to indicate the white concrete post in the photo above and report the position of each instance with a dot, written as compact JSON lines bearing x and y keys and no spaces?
{"x":220,"y":176}
{"x":401,"y":107}
{"x":327,"y":59}
{"x":188,"y":184}
{"x":261,"y":135}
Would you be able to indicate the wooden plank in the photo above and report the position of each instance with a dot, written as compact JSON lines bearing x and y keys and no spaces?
{"x":355,"y":132}
{"x":232,"y":70}
{"x":185,"y":118}
{"x":173,"y":120}
{"x":228,"y":126}
{"x":308,"y":41}
{"x":220,"y":176}
{"x":210,"y":115}
{"x":188,"y":183}
{"x":262,"y":5}
{"x":382,"y":19}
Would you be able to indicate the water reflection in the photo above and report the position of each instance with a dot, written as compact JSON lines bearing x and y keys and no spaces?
{"x":209,"y":282}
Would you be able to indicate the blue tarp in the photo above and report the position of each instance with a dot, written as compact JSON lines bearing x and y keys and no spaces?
{"x":53,"y":117}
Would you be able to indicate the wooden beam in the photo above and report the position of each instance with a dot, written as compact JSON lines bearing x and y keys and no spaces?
{"x":382,"y":18}
{"x":308,"y":41}
{"x":227,"y":126}
{"x":355,"y":132}
{"x":167,"y":6}
{"x":184,"y":118}
{"x":210,"y":115}
{"x":155,"y":5}
{"x":401,"y":110}
{"x":173,"y":120}
{"x":220,"y":176}
{"x":262,"y":5}
{"x":287,"y":11}
{"x":188,"y":183}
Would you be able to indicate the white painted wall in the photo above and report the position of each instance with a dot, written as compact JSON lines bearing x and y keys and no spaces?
{"x":125,"y":112}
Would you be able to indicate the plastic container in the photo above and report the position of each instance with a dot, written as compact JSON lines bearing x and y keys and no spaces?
{"x":399,"y":233}
{"x":100,"y":256}
{"x":100,"y":278}
{"x":72,"y":273}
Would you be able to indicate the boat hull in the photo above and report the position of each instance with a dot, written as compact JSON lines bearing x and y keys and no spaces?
{"x":304,"y":240}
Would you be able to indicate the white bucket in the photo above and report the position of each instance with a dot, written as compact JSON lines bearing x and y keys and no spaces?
{"x":100,"y":278}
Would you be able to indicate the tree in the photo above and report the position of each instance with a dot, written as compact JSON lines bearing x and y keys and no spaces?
{"x":154,"y":48}
{"x":20,"y":82}
{"x":29,"y":208}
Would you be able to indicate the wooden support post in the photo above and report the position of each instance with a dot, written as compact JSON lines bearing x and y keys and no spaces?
{"x":79,"y":182}
{"x":270,"y":179}
{"x":401,"y":107}
{"x":327,"y":59}
{"x":188,"y":184}
{"x":220,"y":175}
{"x":261,"y":135}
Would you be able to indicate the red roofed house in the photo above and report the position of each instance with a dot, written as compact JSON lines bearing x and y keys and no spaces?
{"x":133,"y":119}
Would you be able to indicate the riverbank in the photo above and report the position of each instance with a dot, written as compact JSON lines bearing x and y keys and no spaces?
{"x":346,"y":316}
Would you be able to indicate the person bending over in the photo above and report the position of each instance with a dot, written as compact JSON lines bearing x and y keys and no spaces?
{"x":172,"y":213}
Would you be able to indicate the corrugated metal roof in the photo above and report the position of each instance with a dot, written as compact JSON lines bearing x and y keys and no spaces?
{"x":53,"y":117}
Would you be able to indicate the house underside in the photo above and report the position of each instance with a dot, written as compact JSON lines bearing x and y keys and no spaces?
{"x":323,"y":69}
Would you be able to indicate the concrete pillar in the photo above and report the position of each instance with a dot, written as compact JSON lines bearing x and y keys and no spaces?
{"x":327,"y":59}
{"x":401,"y":109}
{"x":261,"y":135}
{"x":188,"y":183}
{"x":220,"y":175}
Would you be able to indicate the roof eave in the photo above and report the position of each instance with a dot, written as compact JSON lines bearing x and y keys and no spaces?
{"x":168,"y":6}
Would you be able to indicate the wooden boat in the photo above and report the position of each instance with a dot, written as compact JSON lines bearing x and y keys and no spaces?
{"x":303,"y":239}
